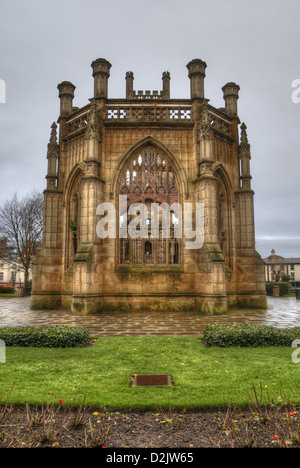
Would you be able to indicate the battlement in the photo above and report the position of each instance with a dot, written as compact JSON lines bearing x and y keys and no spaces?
{"x":147,"y":94}
{"x":163,"y":94}
{"x":196,"y":73}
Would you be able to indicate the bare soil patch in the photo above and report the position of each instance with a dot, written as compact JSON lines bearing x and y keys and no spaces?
{"x":60,"y":427}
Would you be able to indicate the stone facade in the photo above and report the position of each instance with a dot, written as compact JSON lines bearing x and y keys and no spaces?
{"x":149,"y":148}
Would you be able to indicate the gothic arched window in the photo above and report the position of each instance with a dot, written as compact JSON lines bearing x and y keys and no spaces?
{"x":148,"y":178}
{"x":224,"y":224}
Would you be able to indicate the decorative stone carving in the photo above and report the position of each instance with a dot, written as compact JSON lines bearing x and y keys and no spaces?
{"x":92,"y":130}
{"x":52,"y":156}
{"x":245,"y":156}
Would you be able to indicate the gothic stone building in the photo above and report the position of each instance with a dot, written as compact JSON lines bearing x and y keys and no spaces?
{"x":150,"y":149}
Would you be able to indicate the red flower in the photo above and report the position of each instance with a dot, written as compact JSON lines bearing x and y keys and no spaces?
{"x":60,"y":401}
{"x":291,"y":413}
{"x":275,"y":437}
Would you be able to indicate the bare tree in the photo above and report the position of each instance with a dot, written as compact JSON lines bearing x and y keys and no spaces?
{"x":3,"y":247}
{"x":21,"y":223}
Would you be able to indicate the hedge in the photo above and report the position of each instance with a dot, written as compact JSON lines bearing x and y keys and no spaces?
{"x":46,"y":337}
{"x":283,"y":288}
{"x":6,"y":290}
{"x":246,"y":335}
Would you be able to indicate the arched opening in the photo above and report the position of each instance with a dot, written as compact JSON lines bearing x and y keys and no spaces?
{"x":73,"y":216}
{"x":224,"y":215}
{"x":149,"y":184}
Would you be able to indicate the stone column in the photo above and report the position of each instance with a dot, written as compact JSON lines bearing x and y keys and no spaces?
{"x":210,"y":285}
{"x":66,"y":95}
{"x":211,"y":280}
{"x":85,"y":264}
{"x":196,"y":70}
{"x":250,"y":278}
{"x":47,"y":267}
{"x":245,"y":194}
{"x":101,"y":73}
{"x":231,"y":95}
{"x":129,"y":85}
{"x":166,"y":85}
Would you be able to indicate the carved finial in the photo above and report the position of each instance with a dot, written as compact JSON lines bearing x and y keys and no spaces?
{"x":244,"y":137}
{"x":52,"y":156}
{"x":53,"y":132}
{"x":52,"y":145}
{"x":245,"y":156}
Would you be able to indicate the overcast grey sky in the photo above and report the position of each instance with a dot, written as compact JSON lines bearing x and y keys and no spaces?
{"x":253,"y":43}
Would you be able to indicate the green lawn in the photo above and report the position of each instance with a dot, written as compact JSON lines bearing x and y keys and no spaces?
{"x":203,"y":376}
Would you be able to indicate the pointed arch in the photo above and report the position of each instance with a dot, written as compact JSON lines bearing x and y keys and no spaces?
{"x":220,"y":171}
{"x":152,"y":175}
{"x":72,"y":208}
{"x":225,"y":220}
{"x":180,"y":172}
{"x":77,"y":171}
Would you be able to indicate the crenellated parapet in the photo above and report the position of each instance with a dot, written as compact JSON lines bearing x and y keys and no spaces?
{"x":153,"y":95}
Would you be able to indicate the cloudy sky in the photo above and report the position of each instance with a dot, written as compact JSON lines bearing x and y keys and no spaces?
{"x":253,"y":43}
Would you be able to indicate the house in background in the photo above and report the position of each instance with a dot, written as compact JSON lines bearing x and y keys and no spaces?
{"x":9,"y":268}
{"x":277,"y":266}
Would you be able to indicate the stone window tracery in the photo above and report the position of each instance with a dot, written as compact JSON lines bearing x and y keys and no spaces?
{"x":147,"y":178}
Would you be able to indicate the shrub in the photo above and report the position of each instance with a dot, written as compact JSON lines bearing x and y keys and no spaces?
{"x":283,"y":288}
{"x":6,"y":290}
{"x":46,"y":337}
{"x":246,"y":335}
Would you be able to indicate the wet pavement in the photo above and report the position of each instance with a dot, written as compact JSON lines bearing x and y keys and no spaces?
{"x":282,"y":312}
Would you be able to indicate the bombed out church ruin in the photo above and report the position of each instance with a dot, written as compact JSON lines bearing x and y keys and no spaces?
{"x":180,"y":155}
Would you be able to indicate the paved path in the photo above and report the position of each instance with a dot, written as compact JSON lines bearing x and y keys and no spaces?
{"x":282,"y":312}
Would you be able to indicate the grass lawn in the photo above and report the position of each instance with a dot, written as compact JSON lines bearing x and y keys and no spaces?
{"x":204,"y":377}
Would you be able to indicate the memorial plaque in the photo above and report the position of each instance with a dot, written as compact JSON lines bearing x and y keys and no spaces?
{"x":151,"y":380}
